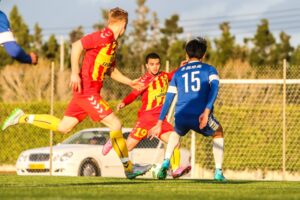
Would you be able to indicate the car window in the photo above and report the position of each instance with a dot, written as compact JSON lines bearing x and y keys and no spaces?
{"x":146,"y":143}
{"x":88,"y":137}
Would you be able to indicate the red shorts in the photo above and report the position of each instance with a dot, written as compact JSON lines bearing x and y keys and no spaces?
{"x":92,"y":105}
{"x":145,"y":123}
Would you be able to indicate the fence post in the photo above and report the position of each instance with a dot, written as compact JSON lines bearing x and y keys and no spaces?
{"x":62,"y":53}
{"x":51,"y":113}
{"x":167,"y":66}
{"x":284,"y":122}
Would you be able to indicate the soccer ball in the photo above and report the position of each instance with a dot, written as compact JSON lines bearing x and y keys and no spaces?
{"x":154,"y":170}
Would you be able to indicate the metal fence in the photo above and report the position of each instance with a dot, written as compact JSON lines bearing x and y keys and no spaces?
{"x":259,"y":117}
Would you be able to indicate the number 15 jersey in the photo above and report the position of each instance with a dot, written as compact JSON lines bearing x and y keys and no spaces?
{"x":192,"y":83}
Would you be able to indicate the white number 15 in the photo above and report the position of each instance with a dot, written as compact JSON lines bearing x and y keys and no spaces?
{"x":195,"y":82}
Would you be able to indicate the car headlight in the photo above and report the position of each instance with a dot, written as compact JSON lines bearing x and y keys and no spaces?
{"x":66,"y":156}
{"x":22,"y":158}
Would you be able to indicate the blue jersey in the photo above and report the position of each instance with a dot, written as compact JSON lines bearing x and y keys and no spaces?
{"x":5,"y":34}
{"x":196,"y":85}
{"x":8,"y":41}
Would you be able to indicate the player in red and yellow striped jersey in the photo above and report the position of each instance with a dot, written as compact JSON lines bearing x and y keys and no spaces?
{"x":99,"y":60}
{"x":153,"y":95}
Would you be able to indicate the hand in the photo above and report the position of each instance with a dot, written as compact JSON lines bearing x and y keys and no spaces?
{"x":183,"y":62}
{"x":120,"y":106}
{"x":135,"y":84}
{"x":155,"y":130}
{"x":34,"y":58}
{"x":203,"y":118}
{"x":75,"y":82}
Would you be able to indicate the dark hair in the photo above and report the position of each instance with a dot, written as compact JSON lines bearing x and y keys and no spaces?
{"x":196,"y":48}
{"x":152,"y":56}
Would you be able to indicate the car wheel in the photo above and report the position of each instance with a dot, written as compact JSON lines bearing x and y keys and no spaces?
{"x":89,"y":168}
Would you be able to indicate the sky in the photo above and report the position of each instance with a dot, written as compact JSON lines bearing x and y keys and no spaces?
{"x":197,"y":17}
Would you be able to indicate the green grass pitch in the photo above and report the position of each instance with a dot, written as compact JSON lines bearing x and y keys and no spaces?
{"x":37,"y":187}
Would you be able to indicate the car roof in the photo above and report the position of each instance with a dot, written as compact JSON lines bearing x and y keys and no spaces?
{"x":104,"y":129}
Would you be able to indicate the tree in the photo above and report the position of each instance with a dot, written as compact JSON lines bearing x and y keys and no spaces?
{"x":104,"y":15}
{"x":20,"y":29}
{"x":37,"y":39}
{"x":170,"y":32}
{"x":176,"y":53}
{"x":224,"y":45}
{"x":284,"y":48}
{"x":76,"y":34}
{"x":295,"y":57}
{"x":264,"y":43}
{"x":139,"y":33}
{"x":51,"y":48}
{"x":155,"y":32}
{"x":171,"y":29}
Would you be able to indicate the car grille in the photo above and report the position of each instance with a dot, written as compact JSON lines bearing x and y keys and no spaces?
{"x":37,"y":170}
{"x":39,"y":157}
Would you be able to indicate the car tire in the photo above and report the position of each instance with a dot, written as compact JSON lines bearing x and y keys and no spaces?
{"x":89,"y":167}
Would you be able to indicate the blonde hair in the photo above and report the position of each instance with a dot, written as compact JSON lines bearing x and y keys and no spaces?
{"x":117,"y":14}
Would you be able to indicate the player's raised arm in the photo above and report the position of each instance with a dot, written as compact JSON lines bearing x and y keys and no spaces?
{"x":10,"y":45}
{"x":75,"y":82}
{"x":118,"y":76}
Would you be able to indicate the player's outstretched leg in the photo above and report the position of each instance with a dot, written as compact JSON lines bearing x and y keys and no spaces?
{"x":13,"y":118}
{"x":44,"y":121}
{"x":162,"y":173}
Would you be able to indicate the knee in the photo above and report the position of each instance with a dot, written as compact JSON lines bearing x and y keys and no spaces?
{"x":219,"y":133}
{"x":116,"y":124}
{"x":63,"y":129}
{"x":116,"y":134}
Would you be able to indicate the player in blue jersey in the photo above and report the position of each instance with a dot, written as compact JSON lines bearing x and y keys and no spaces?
{"x":196,"y":85}
{"x":8,"y":41}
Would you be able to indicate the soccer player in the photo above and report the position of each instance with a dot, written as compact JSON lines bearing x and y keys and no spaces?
{"x":8,"y":41}
{"x":99,"y":60}
{"x":153,"y":96}
{"x":196,"y":85}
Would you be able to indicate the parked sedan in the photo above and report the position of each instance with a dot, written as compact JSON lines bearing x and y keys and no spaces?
{"x":80,"y":155}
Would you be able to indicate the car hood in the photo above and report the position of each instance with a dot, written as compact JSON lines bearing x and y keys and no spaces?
{"x":63,"y":148}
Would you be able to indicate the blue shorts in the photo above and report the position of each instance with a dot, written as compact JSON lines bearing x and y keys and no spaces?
{"x":184,"y":123}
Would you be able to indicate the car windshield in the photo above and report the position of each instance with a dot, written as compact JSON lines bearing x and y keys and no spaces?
{"x":88,"y":137}
{"x":98,"y":137}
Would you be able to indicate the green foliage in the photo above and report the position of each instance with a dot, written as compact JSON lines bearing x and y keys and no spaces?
{"x":225,"y":45}
{"x":295,"y":58}
{"x":264,"y":44}
{"x":171,"y":29}
{"x":76,"y":34}
{"x":176,"y":53}
{"x":37,"y":39}
{"x":51,"y":48}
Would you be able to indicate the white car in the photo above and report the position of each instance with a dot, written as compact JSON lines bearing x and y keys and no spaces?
{"x":81,"y":155}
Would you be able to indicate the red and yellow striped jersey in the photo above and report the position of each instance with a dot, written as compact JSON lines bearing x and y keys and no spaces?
{"x":99,"y":57}
{"x":153,"y":95}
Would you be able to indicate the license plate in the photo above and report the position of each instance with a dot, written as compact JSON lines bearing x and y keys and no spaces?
{"x":36,"y":166}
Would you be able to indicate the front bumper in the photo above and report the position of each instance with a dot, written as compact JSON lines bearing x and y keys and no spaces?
{"x":43,"y":168}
